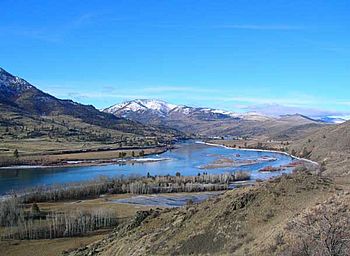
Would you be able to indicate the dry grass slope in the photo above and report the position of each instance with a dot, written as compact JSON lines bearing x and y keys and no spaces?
{"x":329,"y":145}
{"x":247,"y":221}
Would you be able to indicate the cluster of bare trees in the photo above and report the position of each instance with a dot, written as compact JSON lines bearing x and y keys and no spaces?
{"x":323,"y":232}
{"x":86,"y":190}
{"x":141,"y":187}
{"x":11,"y":212}
{"x":67,"y":224}
{"x":61,"y":193}
{"x":17,"y":222}
{"x":135,"y":185}
{"x":21,"y":223}
{"x":174,"y":184}
{"x":205,"y":178}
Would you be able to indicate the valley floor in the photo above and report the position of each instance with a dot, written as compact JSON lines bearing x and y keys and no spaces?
{"x":55,"y":247}
{"x":41,"y":152}
{"x":255,"y":220}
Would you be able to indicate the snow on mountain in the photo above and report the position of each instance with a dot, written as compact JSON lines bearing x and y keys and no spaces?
{"x":158,"y":105}
{"x":254,"y":116}
{"x":12,"y":84}
{"x":159,"y":108}
{"x":163,"y":109}
{"x":142,"y":105}
{"x":209,"y":121}
{"x":331,"y":120}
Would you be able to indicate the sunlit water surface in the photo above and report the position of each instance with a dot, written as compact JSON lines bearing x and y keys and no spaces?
{"x":186,"y":159}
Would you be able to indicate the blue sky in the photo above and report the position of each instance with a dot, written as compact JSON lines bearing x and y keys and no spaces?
{"x":272,"y":56}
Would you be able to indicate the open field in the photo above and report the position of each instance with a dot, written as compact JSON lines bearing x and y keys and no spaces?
{"x":47,"y":247}
{"x":122,"y":210}
{"x":53,"y":247}
{"x":42,"y":152}
{"x":32,"y":138}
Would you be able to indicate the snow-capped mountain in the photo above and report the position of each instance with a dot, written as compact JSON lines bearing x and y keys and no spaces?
{"x":141,"y":105}
{"x":164,"y":109}
{"x":12,"y":85}
{"x":208,"y":121}
{"x":30,"y":105}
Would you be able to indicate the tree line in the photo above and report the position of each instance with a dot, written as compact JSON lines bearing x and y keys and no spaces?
{"x":134,"y":185}
{"x":20,"y":224}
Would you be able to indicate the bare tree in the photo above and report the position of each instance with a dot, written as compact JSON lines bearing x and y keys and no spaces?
{"x":324,"y":232}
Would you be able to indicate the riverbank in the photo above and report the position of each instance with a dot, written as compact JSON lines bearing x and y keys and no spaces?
{"x":226,"y":144}
{"x":185,"y":158}
{"x":87,"y":158}
{"x":76,"y":207}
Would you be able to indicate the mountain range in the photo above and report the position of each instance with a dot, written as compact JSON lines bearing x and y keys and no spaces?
{"x":214,"y":122}
{"x":162,"y":109}
{"x":24,"y":105}
{"x":25,"y":108}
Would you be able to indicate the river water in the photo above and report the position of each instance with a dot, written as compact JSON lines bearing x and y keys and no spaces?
{"x":186,"y":158}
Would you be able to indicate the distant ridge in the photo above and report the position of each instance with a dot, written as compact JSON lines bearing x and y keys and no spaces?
{"x":23,"y":99}
{"x":329,"y":145}
{"x":162,"y":108}
{"x":213,"y":122}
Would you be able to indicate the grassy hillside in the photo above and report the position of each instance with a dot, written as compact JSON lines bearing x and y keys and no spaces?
{"x":248,"y":221}
{"x":329,"y":145}
{"x":279,"y":129}
{"x":36,"y":138}
{"x":284,"y":216}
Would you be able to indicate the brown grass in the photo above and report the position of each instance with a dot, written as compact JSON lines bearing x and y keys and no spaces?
{"x":46,"y":247}
{"x":53,"y":247}
{"x":254,"y":143}
{"x":242,"y":221}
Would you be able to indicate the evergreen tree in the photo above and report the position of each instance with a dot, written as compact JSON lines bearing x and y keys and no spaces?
{"x":15,"y":153}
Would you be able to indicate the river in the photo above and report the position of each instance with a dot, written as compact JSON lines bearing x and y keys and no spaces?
{"x":186,"y":158}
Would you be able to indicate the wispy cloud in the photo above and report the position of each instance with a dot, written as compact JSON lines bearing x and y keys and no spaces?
{"x":252,"y":100}
{"x":289,"y":103}
{"x":103,"y":95}
{"x":343,"y":102}
{"x":115,"y":91}
{"x":263,"y":100}
{"x":177,"y":89}
{"x":277,"y":110}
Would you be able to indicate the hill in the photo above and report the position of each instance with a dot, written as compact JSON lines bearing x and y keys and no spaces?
{"x":33,"y":121}
{"x":258,"y":220}
{"x":214,"y":122}
{"x":329,"y":145}
{"x":282,"y":216}
{"x":24,"y":97}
